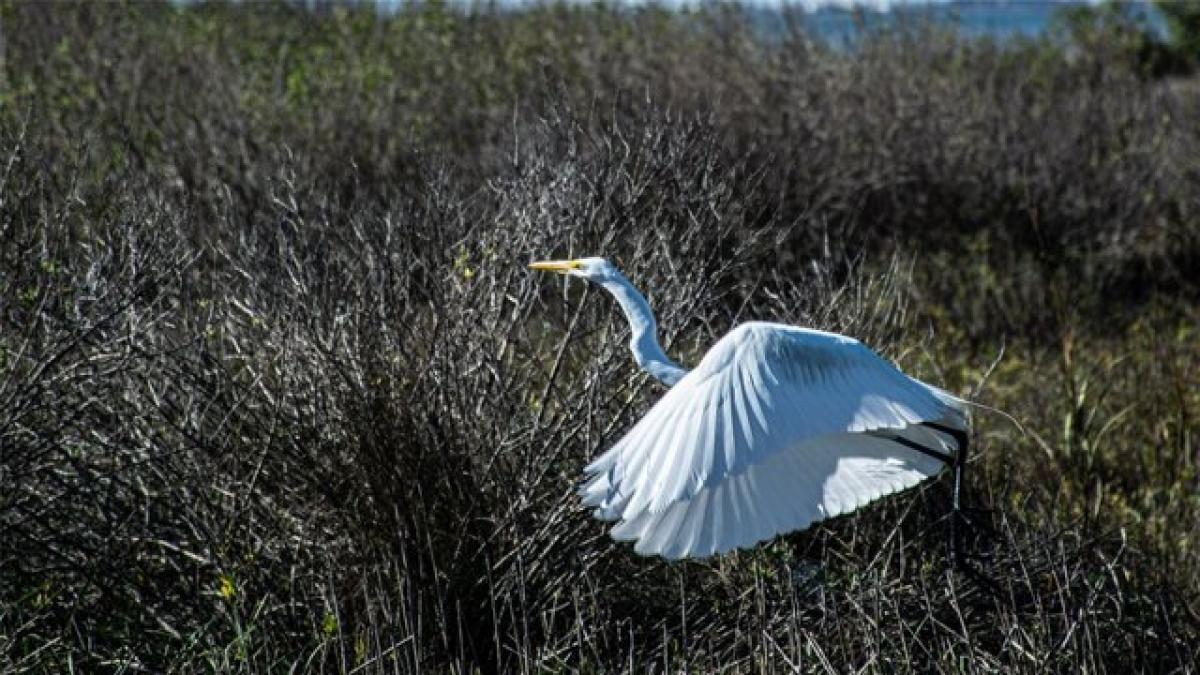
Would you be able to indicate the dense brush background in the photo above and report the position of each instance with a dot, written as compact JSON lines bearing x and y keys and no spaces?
{"x":277,"y":392}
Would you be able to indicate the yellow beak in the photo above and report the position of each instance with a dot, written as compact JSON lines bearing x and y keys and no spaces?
{"x":560,"y":266}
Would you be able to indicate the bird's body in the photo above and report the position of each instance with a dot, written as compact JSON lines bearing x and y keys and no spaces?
{"x":776,"y":428}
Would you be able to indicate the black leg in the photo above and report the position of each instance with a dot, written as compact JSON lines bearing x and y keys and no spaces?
{"x":960,"y":467}
{"x":958,"y":556}
{"x":960,"y":461}
{"x":957,"y":513}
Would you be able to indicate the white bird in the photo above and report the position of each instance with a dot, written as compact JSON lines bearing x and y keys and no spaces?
{"x":778,"y":427}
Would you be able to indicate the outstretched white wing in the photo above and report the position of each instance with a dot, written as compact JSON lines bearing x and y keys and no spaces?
{"x":778,"y":427}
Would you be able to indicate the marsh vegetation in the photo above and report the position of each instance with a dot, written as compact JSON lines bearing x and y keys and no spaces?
{"x":277,"y":391}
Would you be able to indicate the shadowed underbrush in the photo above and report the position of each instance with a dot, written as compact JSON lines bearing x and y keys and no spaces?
{"x":277,"y":391}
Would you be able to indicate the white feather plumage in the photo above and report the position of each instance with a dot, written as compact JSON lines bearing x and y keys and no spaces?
{"x":769,"y":434}
{"x":778,"y":427}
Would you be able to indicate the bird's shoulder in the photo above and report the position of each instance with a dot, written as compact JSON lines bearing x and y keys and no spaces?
{"x":758,"y":341}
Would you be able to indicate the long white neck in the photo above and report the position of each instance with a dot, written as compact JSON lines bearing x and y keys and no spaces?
{"x":644,"y":339}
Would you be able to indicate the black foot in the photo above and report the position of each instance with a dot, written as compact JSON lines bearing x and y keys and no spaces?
{"x":962,"y":521}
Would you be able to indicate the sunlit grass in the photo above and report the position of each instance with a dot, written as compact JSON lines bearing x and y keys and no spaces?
{"x":277,"y":391}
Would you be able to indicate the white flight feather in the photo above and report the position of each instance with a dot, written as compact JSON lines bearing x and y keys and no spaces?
{"x":776,"y":428}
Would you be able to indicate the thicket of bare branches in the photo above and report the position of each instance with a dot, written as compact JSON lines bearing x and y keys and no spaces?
{"x":277,"y":391}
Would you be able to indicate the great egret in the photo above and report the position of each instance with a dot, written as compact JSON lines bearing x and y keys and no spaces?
{"x":778,"y":427}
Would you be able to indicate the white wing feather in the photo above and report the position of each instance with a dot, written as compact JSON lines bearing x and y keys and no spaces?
{"x":777,"y":428}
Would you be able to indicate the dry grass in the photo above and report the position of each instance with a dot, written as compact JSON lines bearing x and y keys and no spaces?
{"x":277,"y":392}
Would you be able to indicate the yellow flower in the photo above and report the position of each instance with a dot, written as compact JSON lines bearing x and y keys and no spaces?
{"x":228,"y":590}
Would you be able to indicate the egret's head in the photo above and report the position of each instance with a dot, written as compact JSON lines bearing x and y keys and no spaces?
{"x":592,"y":269}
